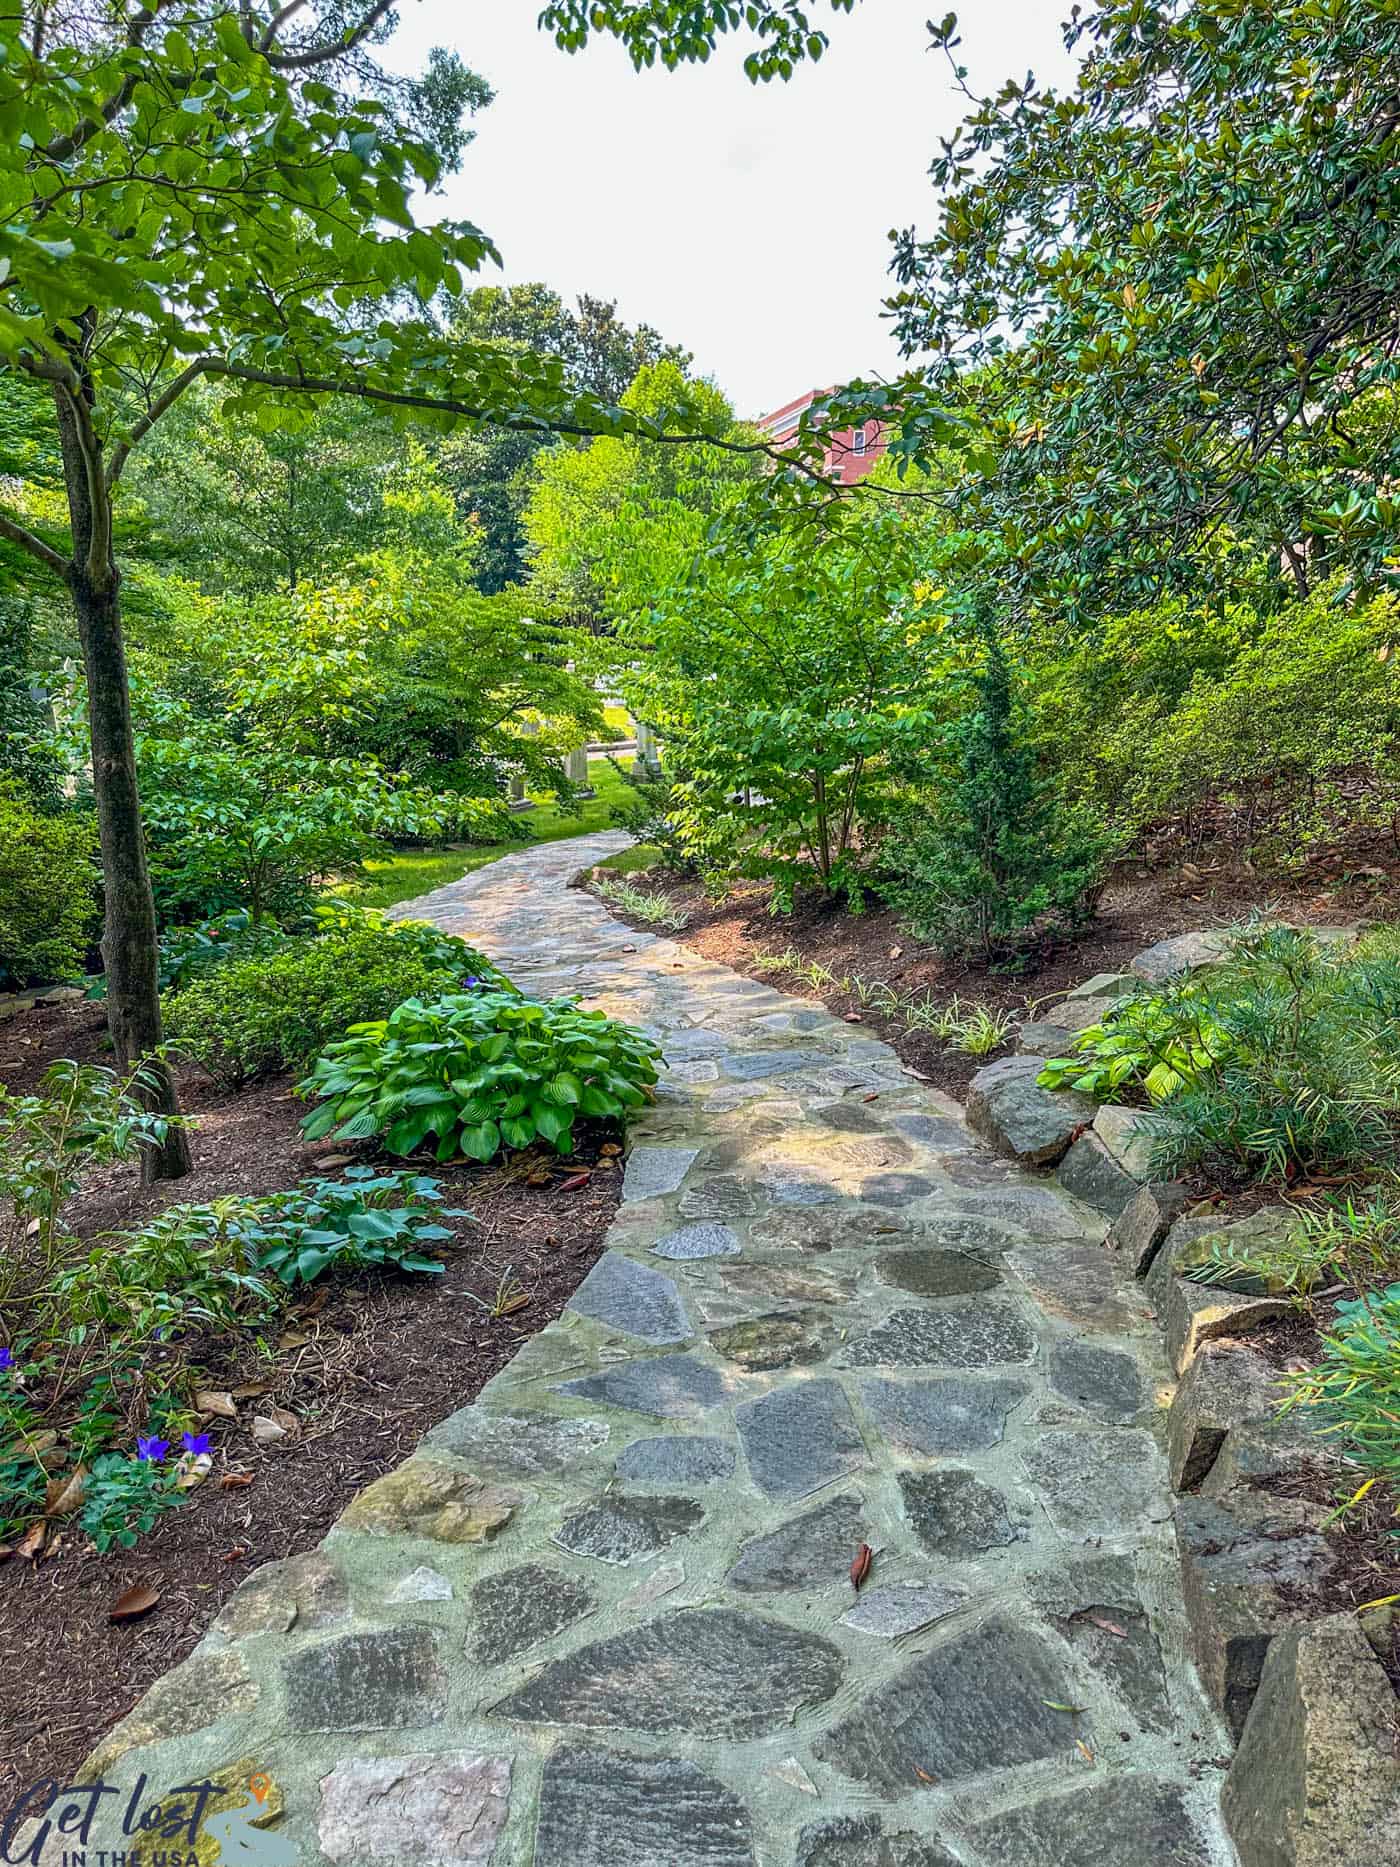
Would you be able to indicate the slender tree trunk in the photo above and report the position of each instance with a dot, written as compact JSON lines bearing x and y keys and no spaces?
{"x":130,"y":948}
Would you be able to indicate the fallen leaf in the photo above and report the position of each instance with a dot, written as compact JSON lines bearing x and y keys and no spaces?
{"x":62,"y":1496}
{"x":874,"y":1096}
{"x":512,"y":1304}
{"x":332,"y":1160}
{"x":194,"y":1469}
{"x":1055,"y":1705}
{"x":266,"y":1431}
{"x":895,"y":951}
{"x":207,"y":1401}
{"x":238,"y":1551}
{"x":292,"y":1338}
{"x":923,"y":1775}
{"x":31,"y":1544}
{"x":860,"y":1567}
{"x":854,"y":1017}
{"x":235,"y":1481}
{"x":574,"y":1182}
{"x":133,"y":1602}
{"x":609,"y":1148}
{"x":539,"y":1177}
{"x":1084,"y":1750}
{"x":1109,"y":1627}
{"x":37,"y":1446}
{"x":250,"y":1389}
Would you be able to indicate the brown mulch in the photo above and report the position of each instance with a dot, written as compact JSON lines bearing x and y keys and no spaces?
{"x":1139,"y":907}
{"x":366,"y":1369}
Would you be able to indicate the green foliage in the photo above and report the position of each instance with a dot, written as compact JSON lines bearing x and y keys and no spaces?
{"x":1353,"y":1394}
{"x":125,"y":1496}
{"x":187,"y":953}
{"x":479,"y":1074}
{"x":48,"y":883}
{"x":1339,"y":1241}
{"x":27,"y":751}
{"x":651,"y":909}
{"x":366,"y":1221}
{"x":995,"y":858}
{"x":80,"y":1116}
{"x":269,"y":1012}
{"x":1154,"y":1042}
{"x":645,"y":810}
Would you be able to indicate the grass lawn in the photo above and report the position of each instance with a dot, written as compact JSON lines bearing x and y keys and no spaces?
{"x":411,"y":872}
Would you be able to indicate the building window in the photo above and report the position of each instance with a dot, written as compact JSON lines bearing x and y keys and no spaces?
{"x":859,"y":444}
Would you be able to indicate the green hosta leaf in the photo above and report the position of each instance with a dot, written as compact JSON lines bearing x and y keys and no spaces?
{"x":550,"y":1120}
{"x":565,"y":1087}
{"x":597,"y":1102}
{"x":481,"y":1141}
{"x":518,"y":1130}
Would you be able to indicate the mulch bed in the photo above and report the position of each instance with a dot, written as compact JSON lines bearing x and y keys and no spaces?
{"x":1139,"y":907}
{"x":366,"y":1368}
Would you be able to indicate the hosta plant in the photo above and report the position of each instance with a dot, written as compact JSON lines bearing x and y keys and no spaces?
{"x":478,"y":1073}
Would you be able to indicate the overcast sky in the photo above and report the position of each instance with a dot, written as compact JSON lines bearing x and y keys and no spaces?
{"x":748,"y":222}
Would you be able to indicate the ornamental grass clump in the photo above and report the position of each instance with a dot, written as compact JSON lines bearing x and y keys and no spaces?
{"x":478,"y":1073}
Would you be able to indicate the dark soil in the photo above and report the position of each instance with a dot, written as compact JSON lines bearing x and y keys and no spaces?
{"x":366,"y":1368}
{"x":1138,"y":908}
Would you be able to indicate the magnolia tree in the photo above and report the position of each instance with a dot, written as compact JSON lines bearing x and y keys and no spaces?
{"x":197,"y":190}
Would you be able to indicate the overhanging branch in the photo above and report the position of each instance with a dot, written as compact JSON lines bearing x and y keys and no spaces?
{"x":27,"y":541}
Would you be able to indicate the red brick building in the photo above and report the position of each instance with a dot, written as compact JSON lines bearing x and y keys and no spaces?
{"x":853,"y":451}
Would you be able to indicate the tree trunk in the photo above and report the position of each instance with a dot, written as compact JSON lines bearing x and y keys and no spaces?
{"x":129,"y":943}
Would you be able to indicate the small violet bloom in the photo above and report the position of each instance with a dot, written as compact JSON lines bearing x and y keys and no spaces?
{"x":151,"y":1448}
{"x":7,"y":1360}
{"x":195,"y":1442}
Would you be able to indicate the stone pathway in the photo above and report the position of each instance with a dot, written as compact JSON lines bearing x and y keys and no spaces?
{"x":604,"y":1617}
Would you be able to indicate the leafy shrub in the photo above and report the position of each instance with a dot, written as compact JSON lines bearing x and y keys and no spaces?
{"x":364,"y":1221}
{"x":1353,"y":1394}
{"x":1339,"y":1241}
{"x":255,"y":1016}
{"x":645,"y":809}
{"x":652,"y":910}
{"x":997,"y":856}
{"x":48,"y":890}
{"x":187,"y":953}
{"x":1278,"y":1061}
{"x":478,"y":1073}
{"x":125,"y":1496}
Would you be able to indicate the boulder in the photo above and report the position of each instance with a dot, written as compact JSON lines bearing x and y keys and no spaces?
{"x":1266,"y":1230}
{"x":1009,"y":1110}
{"x":1040,"y":1038}
{"x":1225,"y":1387}
{"x":1192,"y":1314}
{"x":1106,"y":985}
{"x":1182,"y":953}
{"x":1140,"y":1228}
{"x":1243,"y":1560}
{"x":1315,"y":1781}
{"x":1128,"y":1137}
{"x":1091,"y":1173}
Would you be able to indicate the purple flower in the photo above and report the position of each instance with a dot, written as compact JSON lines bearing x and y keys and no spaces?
{"x":7,"y":1360}
{"x":195,"y":1442}
{"x":151,"y":1448}
{"x":473,"y":982}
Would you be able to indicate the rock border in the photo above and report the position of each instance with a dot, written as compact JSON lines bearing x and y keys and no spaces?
{"x":1315,"y":1776}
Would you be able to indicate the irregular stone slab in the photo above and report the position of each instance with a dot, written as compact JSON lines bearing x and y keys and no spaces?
{"x":799,"y":1438}
{"x":1182,"y":953}
{"x":1262,"y":1231}
{"x":669,"y":1387}
{"x":1045,"y":1037}
{"x":936,"y":1273}
{"x":1077,"y":1283}
{"x":797,"y":1186}
{"x":776,"y":1341}
{"x":378,"y":1681}
{"x":954,"y":1514}
{"x":1134,"y":1818}
{"x":520,"y":1607}
{"x":710,"y":1672}
{"x":1315,"y":1781}
{"x":1014,"y":1115}
{"x":1102,"y":1381}
{"x":1143,"y":1224}
{"x":427,"y":1811}
{"x":1242,"y":1564}
{"x":942,"y":1416}
{"x":849,"y":1118}
{"x":1096,"y":1484}
{"x":1095,"y":1603}
{"x":837,"y":1229}
{"x":1128,"y":1135}
{"x":895,"y":1189}
{"x":1224,"y":1387}
{"x":623,"y":1294}
{"x":1091,"y":1173}
{"x":1042,"y":1213}
{"x":1194,"y":1314}
{"x":775,"y":1283}
{"x":620,"y":1529}
{"x":975,"y":1702}
{"x":974,"y":1335}
{"x":652,"y":1171}
{"x":428,"y":1499}
{"x":861,"y":1841}
{"x":814,"y":1548}
{"x":1105,"y":985}
{"x":302,"y":1591}
{"x":722,"y":1196}
{"x":708,"y":1239}
{"x":421,"y":1584}
{"x":902,"y":1608}
{"x":199,"y":1692}
{"x":676,"y":1459}
{"x":527,"y":1446}
{"x":600,"y":1809}
{"x":756,"y":1065}
{"x":1163,"y":1269}
{"x":939,"y":1132}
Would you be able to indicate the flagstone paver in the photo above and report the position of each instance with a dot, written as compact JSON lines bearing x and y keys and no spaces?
{"x":604,"y":1616}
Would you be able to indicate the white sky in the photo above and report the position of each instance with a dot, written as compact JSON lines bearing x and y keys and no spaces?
{"x":747,"y":222}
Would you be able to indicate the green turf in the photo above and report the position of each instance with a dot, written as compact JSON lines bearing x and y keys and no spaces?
{"x":628,"y":861}
{"x":410,"y":872}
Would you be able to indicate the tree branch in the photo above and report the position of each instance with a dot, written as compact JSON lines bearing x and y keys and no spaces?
{"x":26,"y":540}
{"x":321,"y":54}
{"x":165,"y":401}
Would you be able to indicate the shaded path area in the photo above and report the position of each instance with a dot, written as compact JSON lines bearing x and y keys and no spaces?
{"x":605,"y":1616}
